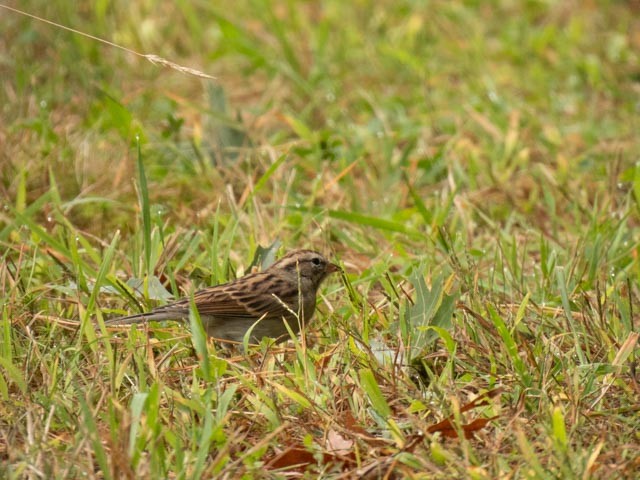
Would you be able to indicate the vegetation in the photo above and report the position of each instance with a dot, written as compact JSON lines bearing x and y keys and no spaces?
{"x":471,"y":165}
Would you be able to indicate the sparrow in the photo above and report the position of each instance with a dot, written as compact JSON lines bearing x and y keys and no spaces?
{"x":284,"y":292}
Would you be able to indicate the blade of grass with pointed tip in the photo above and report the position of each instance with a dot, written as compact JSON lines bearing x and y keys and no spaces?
{"x":266,"y":176}
{"x":510,"y":344}
{"x":199,"y":339}
{"x":372,"y":389}
{"x":13,"y":374}
{"x":27,"y":213}
{"x":145,"y":208}
{"x":224,"y":401}
{"x":419,"y":204}
{"x":137,"y":405}
{"x":87,"y":326}
{"x":204,"y":441}
{"x":293,"y":395}
{"x":564,"y":296}
{"x":88,"y":425}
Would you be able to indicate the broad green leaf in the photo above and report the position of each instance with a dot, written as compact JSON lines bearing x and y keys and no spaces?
{"x":372,"y":389}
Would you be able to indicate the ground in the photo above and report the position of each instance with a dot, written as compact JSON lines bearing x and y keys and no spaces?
{"x":472,"y":166}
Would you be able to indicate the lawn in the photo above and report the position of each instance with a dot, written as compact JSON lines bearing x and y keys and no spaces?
{"x":474,"y":167}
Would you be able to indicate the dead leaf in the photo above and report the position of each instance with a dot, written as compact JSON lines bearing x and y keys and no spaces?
{"x":292,"y":457}
{"x":336,"y":443}
{"x":299,"y":458}
{"x":350,"y":424}
{"x":447,"y":429}
{"x":482,"y":400}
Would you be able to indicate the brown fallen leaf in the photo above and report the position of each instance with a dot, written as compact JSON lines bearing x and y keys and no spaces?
{"x":299,"y":458}
{"x":482,"y":400}
{"x":446,"y":427}
{"x":291,"y":457}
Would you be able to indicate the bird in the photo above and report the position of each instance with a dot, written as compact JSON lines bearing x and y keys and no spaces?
{"x":284,"y":292}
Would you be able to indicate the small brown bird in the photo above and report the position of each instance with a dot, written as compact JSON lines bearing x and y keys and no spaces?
{"x":286,"y":291}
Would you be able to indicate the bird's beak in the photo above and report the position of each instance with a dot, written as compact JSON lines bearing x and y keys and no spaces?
{"x":332,"y":267}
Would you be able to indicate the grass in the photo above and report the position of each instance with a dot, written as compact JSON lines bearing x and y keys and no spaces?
{"x":473,"y":166}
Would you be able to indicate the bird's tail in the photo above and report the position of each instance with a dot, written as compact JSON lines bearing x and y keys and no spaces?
{"x":141,"y":318}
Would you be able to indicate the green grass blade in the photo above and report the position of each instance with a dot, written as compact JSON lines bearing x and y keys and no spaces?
{"x":89,"y":426}
{"x":370,"y":386}
{"x":199,"y":340}
{"x":145,"y":208}
{"x":510,"y":344}
{"x":13,"y":374}
{"x":562,"y":286}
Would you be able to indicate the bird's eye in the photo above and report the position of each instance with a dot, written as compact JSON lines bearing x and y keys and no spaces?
{"x":316,"y":261}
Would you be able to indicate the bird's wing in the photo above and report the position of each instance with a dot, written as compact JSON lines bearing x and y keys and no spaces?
{"x":239,"y":300}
